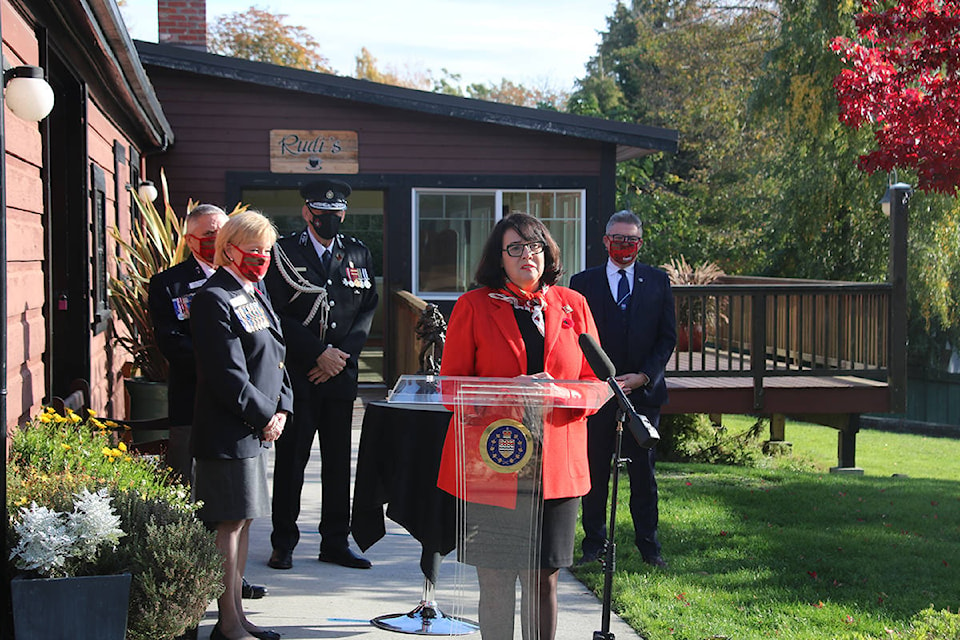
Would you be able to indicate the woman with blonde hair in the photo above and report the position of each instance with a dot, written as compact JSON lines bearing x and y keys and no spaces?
{"x":243,"y":401}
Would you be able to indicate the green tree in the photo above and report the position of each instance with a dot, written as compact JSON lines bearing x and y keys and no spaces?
{"x":257,"y":34}
{"x":688,"y":65}
{"x":824,"y":221}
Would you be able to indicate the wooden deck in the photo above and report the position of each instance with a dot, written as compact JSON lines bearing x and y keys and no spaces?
{"x":720,"y":383}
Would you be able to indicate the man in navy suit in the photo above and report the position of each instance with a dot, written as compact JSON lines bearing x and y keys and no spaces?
{"x":632,"y":304}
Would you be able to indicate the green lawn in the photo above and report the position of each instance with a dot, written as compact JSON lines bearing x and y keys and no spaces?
{"x":778,"y":553}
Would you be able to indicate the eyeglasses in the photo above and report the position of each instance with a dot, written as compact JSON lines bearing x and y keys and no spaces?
{"x":515,"y":250}
{"x":619,"y":237}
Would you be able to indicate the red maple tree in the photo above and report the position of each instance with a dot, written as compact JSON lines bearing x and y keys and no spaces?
{"x":905,"y":83}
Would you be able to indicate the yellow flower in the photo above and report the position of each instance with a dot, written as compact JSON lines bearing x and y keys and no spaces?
{"x":49,"y":410}
{"x":66,"y":447}
{"x":44,"y":417}
{"x":122,"y":446}
{"x":91,"y":413}
{"x":74,"y":418}
{"x":22,"y":501}
{"x":105,"y":451}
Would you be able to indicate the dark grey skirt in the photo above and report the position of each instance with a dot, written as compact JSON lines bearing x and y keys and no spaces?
{"x":231,"y":489}
{"x":537,"y":534}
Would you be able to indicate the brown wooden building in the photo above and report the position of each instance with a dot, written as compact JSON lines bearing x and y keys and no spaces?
{"x":64,"y":182}
{"x":431,"y":173}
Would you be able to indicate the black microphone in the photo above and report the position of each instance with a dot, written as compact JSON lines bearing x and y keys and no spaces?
{"x":638,"y":424}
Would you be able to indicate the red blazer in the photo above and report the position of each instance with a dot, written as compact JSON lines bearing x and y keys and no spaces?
{"x":483,"y":339}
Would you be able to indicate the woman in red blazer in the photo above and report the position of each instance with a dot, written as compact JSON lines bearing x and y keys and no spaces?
{"x":519,"y":324}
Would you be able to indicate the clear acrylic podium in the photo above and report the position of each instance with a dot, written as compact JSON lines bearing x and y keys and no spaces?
{"x":493,"y":463}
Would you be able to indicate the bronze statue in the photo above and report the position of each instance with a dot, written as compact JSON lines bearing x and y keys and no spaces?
{"x":431,"y":329}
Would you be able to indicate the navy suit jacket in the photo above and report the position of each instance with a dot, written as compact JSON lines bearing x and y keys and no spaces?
{"x":171,"y":327}
{"x":241,"y":377}
{"x":652,"y":334}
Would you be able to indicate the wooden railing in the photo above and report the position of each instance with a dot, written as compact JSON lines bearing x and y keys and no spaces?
{"x":797,"y":327}
{"x":405,"y":309}
{"x":806,"y":329}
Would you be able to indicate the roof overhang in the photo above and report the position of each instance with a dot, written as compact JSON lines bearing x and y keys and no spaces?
{"x":631,"y":140}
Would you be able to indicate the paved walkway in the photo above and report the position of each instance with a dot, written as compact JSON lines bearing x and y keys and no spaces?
{"x":321,"y":600}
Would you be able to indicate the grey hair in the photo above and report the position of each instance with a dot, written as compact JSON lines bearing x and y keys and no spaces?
{"x":624,"y":216}
{"x":204,"y":210}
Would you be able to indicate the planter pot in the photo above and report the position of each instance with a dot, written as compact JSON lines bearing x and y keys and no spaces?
{"x":148,"y":400}
{"x":85,"y":608}
{"x":687,"y":341}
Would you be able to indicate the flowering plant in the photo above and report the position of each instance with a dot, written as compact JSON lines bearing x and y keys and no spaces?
{"x":54,"y":544}
{"x":80,"y":504}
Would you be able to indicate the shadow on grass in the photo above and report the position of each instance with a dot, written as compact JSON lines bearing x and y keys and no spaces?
{"x":757,"y":554}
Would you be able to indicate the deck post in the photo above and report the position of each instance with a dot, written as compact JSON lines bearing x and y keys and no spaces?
{"x":899,"y":199}
{"x":847,"y":446}
{"x":758,"y":345}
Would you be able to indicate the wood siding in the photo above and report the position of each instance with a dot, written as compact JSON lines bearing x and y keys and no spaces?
{"x":26,"y":286}
{"x":224,"y":125}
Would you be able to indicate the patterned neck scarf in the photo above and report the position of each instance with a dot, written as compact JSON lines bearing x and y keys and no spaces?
{"x":534,"y":303}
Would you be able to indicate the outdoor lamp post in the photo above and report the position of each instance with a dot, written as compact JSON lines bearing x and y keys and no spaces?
{"x":27,"y":93}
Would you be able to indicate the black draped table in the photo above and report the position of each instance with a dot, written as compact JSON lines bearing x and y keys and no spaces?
{"x":397,"y":466}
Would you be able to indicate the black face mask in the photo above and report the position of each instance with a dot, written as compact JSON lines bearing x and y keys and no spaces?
{"x":326,"y":224}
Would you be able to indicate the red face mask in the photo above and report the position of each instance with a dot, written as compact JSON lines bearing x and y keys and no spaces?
{"x":207,"y":249}
{"x":623,"y":252}
{"x":252,"y":266}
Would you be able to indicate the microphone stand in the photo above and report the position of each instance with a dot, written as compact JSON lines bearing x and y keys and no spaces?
{"x":610,"y":552}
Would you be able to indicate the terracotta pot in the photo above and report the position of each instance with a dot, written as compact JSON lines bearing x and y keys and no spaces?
{"x":684,"y":342}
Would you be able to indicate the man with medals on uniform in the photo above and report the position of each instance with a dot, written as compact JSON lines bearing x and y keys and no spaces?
{"x":169,"y":296}
{"x":321,"y":285}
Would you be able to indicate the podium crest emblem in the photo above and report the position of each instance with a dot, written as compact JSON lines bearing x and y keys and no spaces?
{"x":506,"y":446}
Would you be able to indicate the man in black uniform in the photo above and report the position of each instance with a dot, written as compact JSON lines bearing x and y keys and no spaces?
{"x":169,"y":296}
{"x":169,"y":300}
{"x":321,"y":285}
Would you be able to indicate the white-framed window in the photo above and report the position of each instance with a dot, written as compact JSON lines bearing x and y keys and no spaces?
{"x":450,"y":227}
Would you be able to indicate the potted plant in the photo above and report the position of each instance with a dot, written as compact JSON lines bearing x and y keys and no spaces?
{"x":695,"y":313}
{"x":156,"y":243}
{"x":55,"y":552}
{"x":80,"y":507}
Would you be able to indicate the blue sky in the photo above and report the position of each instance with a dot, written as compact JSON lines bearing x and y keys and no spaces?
{"x":539,"y":43}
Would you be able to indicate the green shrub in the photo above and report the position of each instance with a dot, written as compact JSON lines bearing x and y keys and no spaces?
{"x":177,"y":569}
{"x":928,"y":624}
{"x":693,"y":438}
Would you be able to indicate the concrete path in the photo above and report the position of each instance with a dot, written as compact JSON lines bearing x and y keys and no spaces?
{"x":321,"y":600}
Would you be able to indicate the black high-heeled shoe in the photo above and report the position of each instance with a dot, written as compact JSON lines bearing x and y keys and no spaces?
{"x":263,"y":634}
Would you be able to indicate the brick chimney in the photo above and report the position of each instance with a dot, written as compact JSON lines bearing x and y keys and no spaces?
{"x":183,"y":23}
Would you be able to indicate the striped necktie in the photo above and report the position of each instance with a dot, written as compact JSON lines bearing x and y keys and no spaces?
{"x":623,"y":291}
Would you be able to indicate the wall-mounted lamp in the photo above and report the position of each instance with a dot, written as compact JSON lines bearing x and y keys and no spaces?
{"x":147,"y":191}
{"x":27,"y":93}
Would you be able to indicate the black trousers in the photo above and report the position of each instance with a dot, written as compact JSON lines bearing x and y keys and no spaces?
{"x":330,"y":418}
{"x":601,"y":441}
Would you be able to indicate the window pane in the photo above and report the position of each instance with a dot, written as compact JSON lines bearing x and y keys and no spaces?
{"x":562,"y":213}
{"x":451,"y":231}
